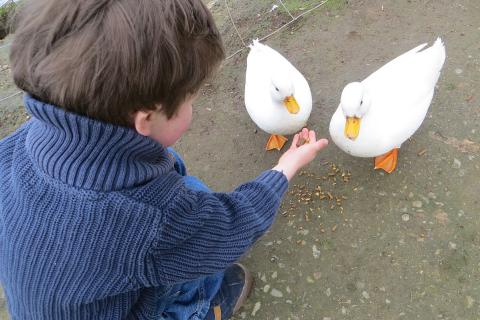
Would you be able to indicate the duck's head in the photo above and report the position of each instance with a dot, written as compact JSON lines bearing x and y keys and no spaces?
{"x":283,"y":91}
{"x":355,"y":103}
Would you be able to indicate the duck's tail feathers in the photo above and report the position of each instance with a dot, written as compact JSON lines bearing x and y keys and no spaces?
{"x":433,"y":56}
{"x":255,"y":43}
{"x":439,"y":47}
{"x":417,"y":48}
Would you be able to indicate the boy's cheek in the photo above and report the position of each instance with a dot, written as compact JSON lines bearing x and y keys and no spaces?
{"x":170,"y":137}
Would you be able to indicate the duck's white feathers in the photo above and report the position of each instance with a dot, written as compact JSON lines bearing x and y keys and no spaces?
{"x":271,"y":116}
{"x":401,"y":93}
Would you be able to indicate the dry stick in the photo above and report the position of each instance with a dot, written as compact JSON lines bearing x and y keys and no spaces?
{"x":288,"y":11}
{"x":10,"y":96}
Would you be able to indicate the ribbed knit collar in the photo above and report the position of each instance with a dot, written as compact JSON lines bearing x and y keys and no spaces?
{"x":90,"y":154}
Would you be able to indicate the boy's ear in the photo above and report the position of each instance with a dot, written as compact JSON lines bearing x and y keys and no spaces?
{"x":142,"y":120}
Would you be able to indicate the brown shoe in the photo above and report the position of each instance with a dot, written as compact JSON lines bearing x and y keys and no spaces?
{"x":236,"y":286}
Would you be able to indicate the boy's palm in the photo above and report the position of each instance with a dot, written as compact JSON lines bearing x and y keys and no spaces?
{"x":298,"y":156}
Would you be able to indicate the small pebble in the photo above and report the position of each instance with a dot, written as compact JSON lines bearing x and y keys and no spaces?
{"x":452,"y":245}
{"x":470,"y":302}
{"x":387,"y":301}
{"x":316,"y":252}
{"x":256,"y":307}
{"x":274,"y":275}
{"x":266,"y":288}
{"x":344,"y":310}
{"x":276,"y":293}
{"x":417,"y":204}
{"x":405,"y":217}
{"x":303,"y":232}
{"x":328,"y":292}
{"x":458,"y":71}
{"x":457,"y":164}
{"x":365,"y":295}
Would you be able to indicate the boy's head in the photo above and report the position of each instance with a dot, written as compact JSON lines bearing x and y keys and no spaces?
{"x":110,"y":59}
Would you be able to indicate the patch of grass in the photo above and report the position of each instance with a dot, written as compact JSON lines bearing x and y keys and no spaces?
{"x":450,"y":86}
{"x":328,"y":244}
{"x":336,"y":5}
{"x":7,"y":11}
{"x":296,"y":6}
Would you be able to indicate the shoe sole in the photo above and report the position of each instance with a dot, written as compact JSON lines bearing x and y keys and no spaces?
{"x":247,"y":288}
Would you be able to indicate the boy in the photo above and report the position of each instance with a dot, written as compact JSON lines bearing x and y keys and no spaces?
{"x":97,"y":218}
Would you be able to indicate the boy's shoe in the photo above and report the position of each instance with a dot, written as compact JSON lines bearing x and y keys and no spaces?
{"x":234,"y":290}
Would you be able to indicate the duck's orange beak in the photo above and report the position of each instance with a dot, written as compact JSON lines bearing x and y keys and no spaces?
{"x":352,"y":128}
{"x":291,"y":104}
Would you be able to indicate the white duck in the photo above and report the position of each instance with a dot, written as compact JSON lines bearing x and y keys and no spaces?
{"x":277,"y":96}
{"x":377,"y":115}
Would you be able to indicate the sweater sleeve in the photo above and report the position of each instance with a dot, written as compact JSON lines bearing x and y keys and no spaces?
{"x":203,"y":233}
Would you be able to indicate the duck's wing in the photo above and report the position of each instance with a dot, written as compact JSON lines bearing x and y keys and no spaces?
{"x":260,"y":62}
{"x":257,"y":79}
{"x":409,"y":78}
{"x":402,"y":91}
{"x":416,"y":62}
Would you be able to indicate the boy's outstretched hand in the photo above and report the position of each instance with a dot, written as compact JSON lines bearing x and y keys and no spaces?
{"x":299,"y":156}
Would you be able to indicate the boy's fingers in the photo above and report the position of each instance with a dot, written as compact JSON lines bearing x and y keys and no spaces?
{"x":320,"y":144}
{"x":312,"y":136}
{"x":296,"y":137}
{"x":305,"y":133}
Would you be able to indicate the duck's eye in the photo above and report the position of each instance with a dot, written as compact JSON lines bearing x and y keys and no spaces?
{"x":361,"y":102}
{"x":276,"y":89}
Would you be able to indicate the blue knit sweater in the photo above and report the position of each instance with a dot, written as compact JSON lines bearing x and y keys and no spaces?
{"x":94,"y":218}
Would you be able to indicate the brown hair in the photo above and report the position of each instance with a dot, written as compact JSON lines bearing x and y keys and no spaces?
{"x":109,"y":58}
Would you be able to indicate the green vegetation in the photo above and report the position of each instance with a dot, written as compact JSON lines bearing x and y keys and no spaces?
{"x":336,"y":5}
{"x":7,"y":12}
{"x":295,"y":6}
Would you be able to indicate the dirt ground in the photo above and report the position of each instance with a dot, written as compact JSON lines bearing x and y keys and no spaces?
{"x":350,"y":242}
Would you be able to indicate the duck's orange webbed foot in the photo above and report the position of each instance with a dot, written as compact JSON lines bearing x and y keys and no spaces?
{"x":275,"y":142}
{"x":388,"y":161}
